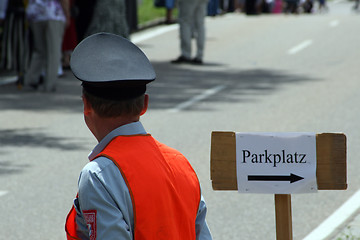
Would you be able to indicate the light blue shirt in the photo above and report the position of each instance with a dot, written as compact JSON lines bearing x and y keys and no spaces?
{"x":102,"y":188}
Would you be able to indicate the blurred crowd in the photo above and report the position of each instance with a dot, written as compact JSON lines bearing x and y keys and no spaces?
{"x":254,"y":7}
{"x":85,"y":17}
{"x":28,"y":28}
{"x":34,"y":30}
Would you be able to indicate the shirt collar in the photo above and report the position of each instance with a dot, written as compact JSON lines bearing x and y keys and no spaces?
{"x":134,"y":128}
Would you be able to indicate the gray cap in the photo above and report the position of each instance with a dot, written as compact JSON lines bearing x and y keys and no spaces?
{"x":111,"y":67}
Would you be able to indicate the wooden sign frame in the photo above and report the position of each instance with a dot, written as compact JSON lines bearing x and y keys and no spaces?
{"x":331,"y":173}
{"x":330,"y":154}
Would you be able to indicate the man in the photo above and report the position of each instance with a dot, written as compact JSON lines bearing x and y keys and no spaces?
{"x":133,"y":187}
{"x":48,"y":19}
{"x":192,"y":23}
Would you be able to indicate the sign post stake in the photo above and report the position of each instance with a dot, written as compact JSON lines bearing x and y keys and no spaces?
{"x":283,"y":217}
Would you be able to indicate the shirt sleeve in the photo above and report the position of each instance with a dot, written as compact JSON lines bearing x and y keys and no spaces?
{"x":105,"y":217}
{"x":201,"y":227}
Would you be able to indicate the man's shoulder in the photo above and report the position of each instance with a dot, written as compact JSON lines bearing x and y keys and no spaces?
{"x":98,"y":165}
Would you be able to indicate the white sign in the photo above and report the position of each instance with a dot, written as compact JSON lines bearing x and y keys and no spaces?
{"x":278,"y":163}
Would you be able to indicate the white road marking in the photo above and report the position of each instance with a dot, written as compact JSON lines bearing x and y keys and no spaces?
{"x":2,"y":193}
{"x":7,"y":80}
{"x":300,"y":47}
{"x":136,"y":38}
{"x":333,"y":222}
{"x":197,"y":98}
{"x":334,"y":23}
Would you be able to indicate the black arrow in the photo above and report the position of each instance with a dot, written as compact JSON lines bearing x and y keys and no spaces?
{"x":291,"y":178}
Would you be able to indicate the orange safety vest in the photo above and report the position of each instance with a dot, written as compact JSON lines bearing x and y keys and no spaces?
{"x":164,"y":188}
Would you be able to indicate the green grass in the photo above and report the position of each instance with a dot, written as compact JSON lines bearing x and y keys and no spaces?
{"x":347,"y":235}
{"x":148,"y":12}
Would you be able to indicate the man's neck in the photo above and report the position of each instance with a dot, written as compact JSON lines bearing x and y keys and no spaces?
{"x":106,"y":125}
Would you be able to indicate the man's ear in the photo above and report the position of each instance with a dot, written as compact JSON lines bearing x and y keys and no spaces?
{"x":87,"y":106}
{"x":146,"y":104}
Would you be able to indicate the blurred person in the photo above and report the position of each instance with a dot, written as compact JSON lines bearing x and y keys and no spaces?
{"x":192,"y":15}
{"x":85,"y":11}
{"x":356,"y":6}
{"x":322,"y":6}
{"x":169,"y":5}
{"x":109,"y":16}
{"x":131,"y":14}
{"x":307,"y":6}
{"x":291,"y":6}
{"x":238,"y":5}
{"x":13,"y":47}
{"x":250,"y":7}
{"x":278,"y":6}
{"x":227,"y":6}
{"x":70,"y":37}
{"x":213,"y":8}
{"x":48,"y":20}
{"x":134,"y":187}
{"x":266,"y":6}
{"x":3,"y":8}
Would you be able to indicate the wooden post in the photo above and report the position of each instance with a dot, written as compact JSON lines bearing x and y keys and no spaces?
{"x":283,"y":217}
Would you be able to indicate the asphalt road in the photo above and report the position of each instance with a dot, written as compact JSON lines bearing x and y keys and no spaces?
{"x":272,"y":73}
